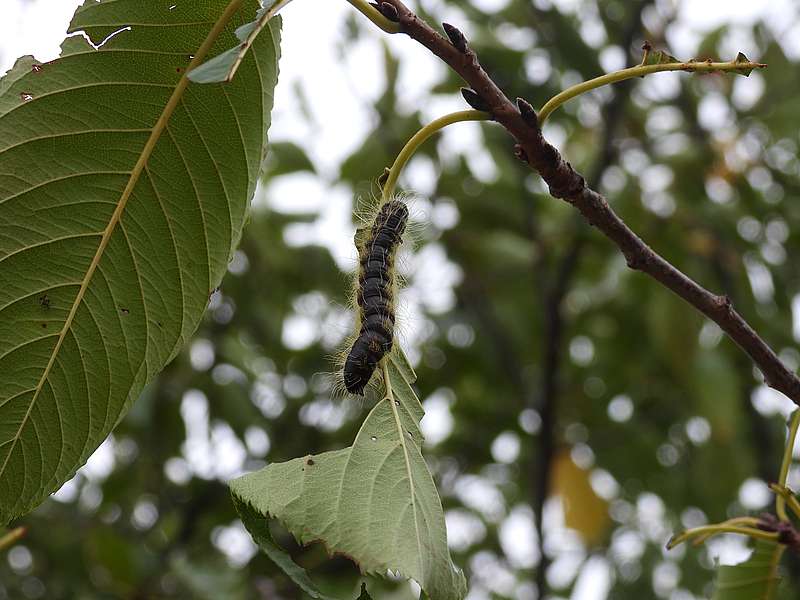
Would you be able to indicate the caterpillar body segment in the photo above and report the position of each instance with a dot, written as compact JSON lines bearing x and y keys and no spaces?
{"x":375,"y":296}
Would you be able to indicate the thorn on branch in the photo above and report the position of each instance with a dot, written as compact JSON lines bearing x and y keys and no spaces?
{"x":456,"y":37}
{"x":528,"y":113}
{"x":474,"y":100}
{"x":387,"y":10}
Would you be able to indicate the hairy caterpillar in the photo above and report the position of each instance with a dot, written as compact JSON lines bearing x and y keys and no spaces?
{"x":375,"y":296}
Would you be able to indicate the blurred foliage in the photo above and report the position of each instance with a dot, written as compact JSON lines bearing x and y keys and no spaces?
{"x":657,"y":416}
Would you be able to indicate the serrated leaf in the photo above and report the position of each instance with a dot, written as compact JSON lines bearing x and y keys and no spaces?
{"x":123,"y":193}
{"x":374,"y":501}
{"x":754,"y":579}
{"x":223,"y":67}
{"x":742,"y":59}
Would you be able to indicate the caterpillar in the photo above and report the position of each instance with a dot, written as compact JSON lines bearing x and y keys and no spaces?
{"x":375,"y":296}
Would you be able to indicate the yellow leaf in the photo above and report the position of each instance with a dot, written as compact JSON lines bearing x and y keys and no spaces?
{"x":584,"y":510}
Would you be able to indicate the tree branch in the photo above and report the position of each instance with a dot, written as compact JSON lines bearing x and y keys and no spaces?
{"x":566,"y":183}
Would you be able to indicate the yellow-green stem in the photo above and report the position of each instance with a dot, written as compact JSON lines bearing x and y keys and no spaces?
{"x":709,"y":530}
{"x":639,"y":71}
{"x":12,"y":537}
{"x":748,"y":521}
{"x":780,"y":501}
{"x":419,"y":138}
{"x":375,"y":16}
{"x":789,"y":499}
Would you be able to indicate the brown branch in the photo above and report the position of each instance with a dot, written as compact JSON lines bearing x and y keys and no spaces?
{"x":566,"y":183}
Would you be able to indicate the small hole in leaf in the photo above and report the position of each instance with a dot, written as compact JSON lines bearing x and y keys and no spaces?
{"x":397,"y":402}
{"x":26,"y":96}
{"x":374,"y":438}
{"x":125,"y":311}
{"x":37,"y":68}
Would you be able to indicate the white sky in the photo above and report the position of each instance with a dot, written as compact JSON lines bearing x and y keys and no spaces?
{"x":340,"y":93}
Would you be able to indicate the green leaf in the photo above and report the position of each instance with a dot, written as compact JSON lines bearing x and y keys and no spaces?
{"x":123,"y":193}
{"x":374,"y":501}
{"x":223,"y":67}
{"x":754,"y":579}
{"x":659,"y":57}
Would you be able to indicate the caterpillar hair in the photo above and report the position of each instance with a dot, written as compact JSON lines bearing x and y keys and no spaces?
{"x":375,"y":295}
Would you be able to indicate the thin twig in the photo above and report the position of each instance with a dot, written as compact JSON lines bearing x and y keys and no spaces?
{"x":566,"y":183}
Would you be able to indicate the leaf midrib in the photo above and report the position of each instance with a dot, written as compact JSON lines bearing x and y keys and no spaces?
{"x":396,"y":415}
{"x":156,"y":132}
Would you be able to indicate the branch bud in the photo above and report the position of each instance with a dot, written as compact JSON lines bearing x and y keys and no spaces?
{"x":527,"y":112}
{"x":387,"y":10}
{"x":456,"y":37}
{"x":474,"y":100}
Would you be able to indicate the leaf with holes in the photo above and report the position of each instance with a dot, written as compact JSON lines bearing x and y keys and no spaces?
{"x":123,"y":193}
{"x":374,"y":501}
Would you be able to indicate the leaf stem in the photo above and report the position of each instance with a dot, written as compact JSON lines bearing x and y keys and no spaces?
{"x":780,"y":500}
{"x":419,"y":138}
{"x":12,"y":537}
{"x":748,"y":521}
{"x":375,"y":16}
{"x":640,"y":71}
{"x":777,"y":553}
{"x":788,"y":498}
{"x":709,"y":530}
